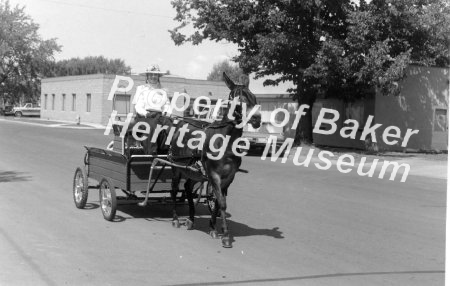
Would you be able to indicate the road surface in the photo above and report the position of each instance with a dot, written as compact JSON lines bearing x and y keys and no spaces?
{"x":291,"y":225}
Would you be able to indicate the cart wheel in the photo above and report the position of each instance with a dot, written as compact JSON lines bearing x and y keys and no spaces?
{"x":108,"y":201}
{"x":80,"y":188}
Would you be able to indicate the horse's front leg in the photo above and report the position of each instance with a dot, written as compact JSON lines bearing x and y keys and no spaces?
{"x":176,"y":174}
{"x":222,"y":205}
{"x":226,"y":239}
{"x":213,"y":220}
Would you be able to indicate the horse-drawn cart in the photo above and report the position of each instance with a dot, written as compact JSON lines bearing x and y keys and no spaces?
{"x":208,"y":168}
{"x":125,"y":170}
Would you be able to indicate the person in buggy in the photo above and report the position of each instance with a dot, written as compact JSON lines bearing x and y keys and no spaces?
{"x":151,"y":98}
{"x":152,"y":103}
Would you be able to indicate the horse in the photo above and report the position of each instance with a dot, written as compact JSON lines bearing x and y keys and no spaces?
{"x":220,"y":171}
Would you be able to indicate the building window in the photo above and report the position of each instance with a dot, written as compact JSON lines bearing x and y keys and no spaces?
{"x":53,"y":101}
{"x":121,"y":104}
{"x":45,"y":102}
{"x":63,"y":106}
{"x":74,"y":102}
{"x":88,"y":102}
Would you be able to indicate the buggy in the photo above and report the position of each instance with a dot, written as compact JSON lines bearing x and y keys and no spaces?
{"x":124,"y":169}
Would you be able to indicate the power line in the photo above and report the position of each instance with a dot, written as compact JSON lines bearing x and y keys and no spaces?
{"x":107,"y":9}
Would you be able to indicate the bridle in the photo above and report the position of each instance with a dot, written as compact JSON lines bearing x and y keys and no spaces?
{"x":237,"y":112}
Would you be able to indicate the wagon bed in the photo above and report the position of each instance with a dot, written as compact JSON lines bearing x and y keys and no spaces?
{"x":125,"y":170}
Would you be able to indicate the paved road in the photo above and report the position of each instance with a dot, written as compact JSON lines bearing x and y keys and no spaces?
{"x":292,"y":225}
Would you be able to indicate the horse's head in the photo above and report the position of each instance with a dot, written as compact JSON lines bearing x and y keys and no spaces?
{"x":244,"y":95}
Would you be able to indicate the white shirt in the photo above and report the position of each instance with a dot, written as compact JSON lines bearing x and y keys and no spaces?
{"x":151,"y":98}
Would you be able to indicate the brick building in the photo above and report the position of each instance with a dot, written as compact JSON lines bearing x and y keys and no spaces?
{"x":86,"y":96}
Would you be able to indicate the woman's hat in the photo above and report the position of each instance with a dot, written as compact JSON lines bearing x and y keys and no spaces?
{"x":154,"y":69}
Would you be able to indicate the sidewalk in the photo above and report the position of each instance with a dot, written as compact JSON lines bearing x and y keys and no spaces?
{"x":421,"y":164}
{"x":52,"y":123}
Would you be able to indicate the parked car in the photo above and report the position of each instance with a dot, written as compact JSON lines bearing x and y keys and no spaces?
{"x":29,"y":109}
{"x":7,"y":110}
{"x":260,"y":137}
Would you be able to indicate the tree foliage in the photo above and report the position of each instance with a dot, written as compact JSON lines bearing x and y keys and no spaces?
{"x":333,"y":48}
{"x":233,"y":71}
{"x":90,"y":65}
{"x":383,"y":38}
{"x":274,"y":37}
{"x":24,"y":56}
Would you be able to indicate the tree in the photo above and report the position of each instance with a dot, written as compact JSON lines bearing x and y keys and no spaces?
{"x":24,"y":56}
{"x":90,"y":65}
{"x":274,"y":37}
{"x":232,"y":70}
{"x":383,"y":38}
{"x":325,"y":47}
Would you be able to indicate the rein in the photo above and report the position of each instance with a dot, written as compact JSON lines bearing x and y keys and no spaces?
{"x":237,"y":113}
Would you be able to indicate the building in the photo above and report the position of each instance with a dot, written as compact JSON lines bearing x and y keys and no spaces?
{"x":422,"y":105}
{"x":271,"y":98}
{"x":85,"y":97}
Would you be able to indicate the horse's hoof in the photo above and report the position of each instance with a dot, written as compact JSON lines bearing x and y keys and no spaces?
{"x":226,"y":242}
{"x":214,"y":234}
{"x":189,"y":224}
{"x":176,"y":223}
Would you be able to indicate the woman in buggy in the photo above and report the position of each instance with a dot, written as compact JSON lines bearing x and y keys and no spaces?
{"x":151,"y":103}
{"x":150,"y":97}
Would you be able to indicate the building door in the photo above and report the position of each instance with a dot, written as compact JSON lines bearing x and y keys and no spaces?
{"x":440,"y":129}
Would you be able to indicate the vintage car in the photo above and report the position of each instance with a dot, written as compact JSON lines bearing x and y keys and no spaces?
{"x":260,"y":137}
{"x":7,"y":110}
{"x":29,"y":109}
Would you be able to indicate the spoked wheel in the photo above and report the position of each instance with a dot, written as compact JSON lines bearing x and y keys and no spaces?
{"x":80,"y":188}
{"x":108,"y":201}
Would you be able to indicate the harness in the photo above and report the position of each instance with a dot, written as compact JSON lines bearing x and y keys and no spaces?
{"x":194,"y":159}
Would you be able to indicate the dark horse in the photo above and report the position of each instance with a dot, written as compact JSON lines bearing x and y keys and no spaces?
{"x":219,"y":172}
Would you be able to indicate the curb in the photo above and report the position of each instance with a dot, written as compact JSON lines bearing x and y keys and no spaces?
{"x":55,"y":123}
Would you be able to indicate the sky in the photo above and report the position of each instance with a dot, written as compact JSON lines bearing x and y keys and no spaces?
{"x":133,"y":30}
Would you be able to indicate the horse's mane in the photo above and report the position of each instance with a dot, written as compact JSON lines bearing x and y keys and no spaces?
{"x":243,"y":91}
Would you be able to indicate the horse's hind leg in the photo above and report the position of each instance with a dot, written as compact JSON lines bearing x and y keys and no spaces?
{"x":173,"y":192}
{"x":190,"y":198}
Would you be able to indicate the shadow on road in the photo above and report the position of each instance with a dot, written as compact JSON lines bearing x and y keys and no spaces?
{"x":13,"y":176}
{"x":91,"y":206}
{"x":158,"y":211}
{"x":164,"y":213}
{"x":238,"y":229}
